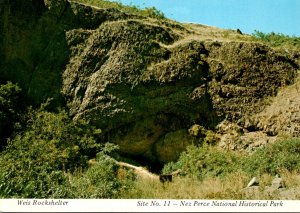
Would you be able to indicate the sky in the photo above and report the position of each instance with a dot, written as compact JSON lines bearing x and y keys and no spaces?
{"x":280,"y":16}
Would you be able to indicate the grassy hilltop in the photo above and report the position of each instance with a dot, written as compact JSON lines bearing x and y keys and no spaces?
{"x":97,"y":99}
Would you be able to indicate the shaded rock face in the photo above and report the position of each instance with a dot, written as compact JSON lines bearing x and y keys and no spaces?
{"x":136,"y":80}
{"x":29,"y":34}
{"x":33,"y":45}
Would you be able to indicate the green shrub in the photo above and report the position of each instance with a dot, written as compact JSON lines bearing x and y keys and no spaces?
{"x":205,"y":161}
{"x":9,"y":95}
{"x":35,"y":161}
{"x":277,"y":39}
{"x":102,"y":180}
{"x":10,"y":103}
{"x":99,"y":181}
{"x":273,"y":158}
{"x":210,"y":161}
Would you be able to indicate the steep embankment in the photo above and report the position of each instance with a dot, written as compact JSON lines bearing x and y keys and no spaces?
{"x":144,"y":81}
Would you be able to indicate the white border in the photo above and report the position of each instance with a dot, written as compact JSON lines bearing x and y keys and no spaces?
{"x":146,"y":205}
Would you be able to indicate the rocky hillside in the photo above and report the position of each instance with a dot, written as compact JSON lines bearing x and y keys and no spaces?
{"x":153,"y":86}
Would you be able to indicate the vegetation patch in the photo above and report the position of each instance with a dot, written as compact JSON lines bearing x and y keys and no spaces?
{"x":132,"y":9}
{"x":215,"y":173}
{"x":205,"y":161}
{"x":275,"y":158}
{"x":48,"y":158}
{"x":211,"y":161}
{"x":277,"y":39}
{"x":36,"y":159}
{"x":102,"y":180}
{"x":10,"y":109}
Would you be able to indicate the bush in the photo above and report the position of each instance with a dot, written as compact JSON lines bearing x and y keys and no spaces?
{"x":274,"y":158}
{"x":102,"y":180}
{"x":99,"y":181}
{"x":209,"y":161}
{"x":10,"y":95}
{"x":35,"y":162}
{"x":277,"y":39}
{"x":205,"y":161}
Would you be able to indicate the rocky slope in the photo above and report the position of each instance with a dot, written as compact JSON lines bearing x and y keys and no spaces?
{"x":146,"y":82}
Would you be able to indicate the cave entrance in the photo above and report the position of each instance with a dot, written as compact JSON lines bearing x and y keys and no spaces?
{"x":152,"y":166}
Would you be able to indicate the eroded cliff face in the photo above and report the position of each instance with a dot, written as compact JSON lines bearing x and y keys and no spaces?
{"x":146,"y":87}
{"x":145,"y":82}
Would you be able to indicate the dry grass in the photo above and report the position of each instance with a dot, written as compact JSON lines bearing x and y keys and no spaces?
{"x":231,"y":187}
{"x":290,"y":179}
{"x":265,"y":180}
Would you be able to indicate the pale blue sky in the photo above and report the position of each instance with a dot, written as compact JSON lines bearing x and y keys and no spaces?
{"x":281,"y":16}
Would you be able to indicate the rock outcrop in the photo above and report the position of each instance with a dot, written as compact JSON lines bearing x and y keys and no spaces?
{"x":145,"y":82}
{"x":132,"y":79}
